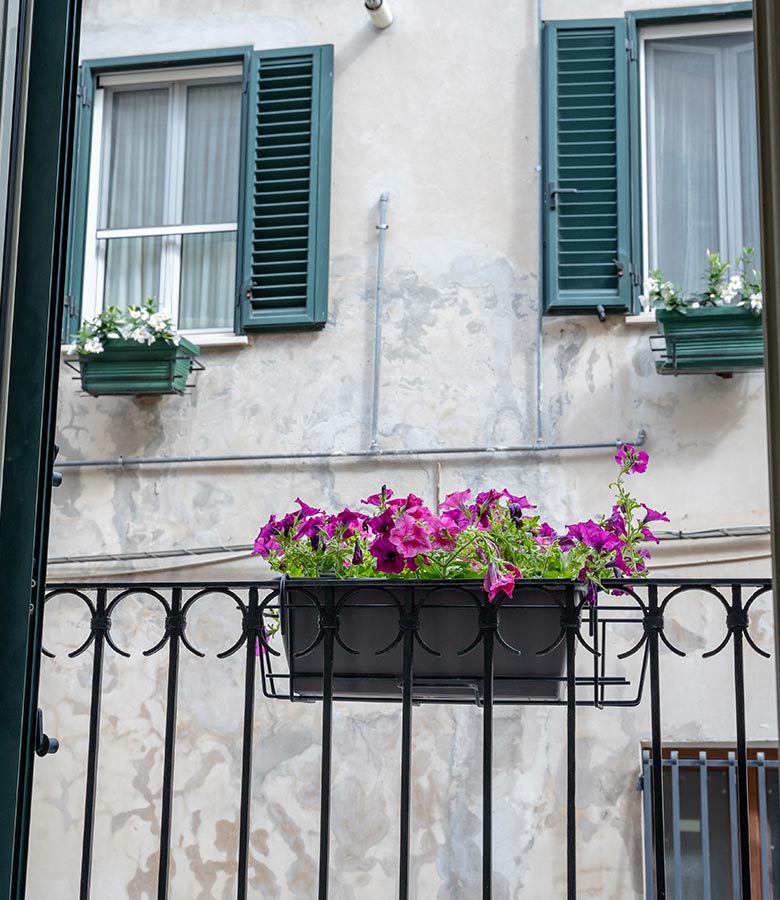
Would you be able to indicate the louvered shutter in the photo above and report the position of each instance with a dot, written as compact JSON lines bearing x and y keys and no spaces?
{"x":287,"y":189}
{"x":587,"y":228}
{"x":79,"y":188}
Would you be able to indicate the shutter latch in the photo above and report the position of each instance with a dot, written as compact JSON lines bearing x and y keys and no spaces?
{"x":621,"y":269}
{"x":553,"y":189}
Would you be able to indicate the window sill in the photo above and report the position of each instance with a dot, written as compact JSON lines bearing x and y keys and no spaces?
{"x":645,"y":319}
{"x":203,"y":341}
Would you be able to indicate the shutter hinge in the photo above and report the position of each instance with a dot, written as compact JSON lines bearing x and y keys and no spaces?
{"x":631,"y":49}
{"x":244,"y":292}
{"x":82,"y":93}
{"x":636,"y":278}
{"x":640,"y":783}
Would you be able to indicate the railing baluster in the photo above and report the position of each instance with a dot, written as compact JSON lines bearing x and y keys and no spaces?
{"x":328,"y":625}
{"x":173,"y":627}
{"x":676,"y":847}
{"x":408,"y":628}
{"x":572,"y":624}
{"x":488,"y":635}
{"x":653,"y":626}
{"x":647,"y":810}
{"x":766,"y":887}
{"x":733,"y":825}
{"x":98,"y":625}
{"x":704,"y":807}
{"x":247,"y":746}
{"x":738,"y":624}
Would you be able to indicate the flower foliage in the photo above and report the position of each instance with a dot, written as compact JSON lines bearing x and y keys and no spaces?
{"x":741,"y":288}
{"x":496,"y":536}
{"x":144,"y":324}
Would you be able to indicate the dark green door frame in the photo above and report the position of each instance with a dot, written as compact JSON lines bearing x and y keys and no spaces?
{"x":766,"y":24}
{"x":31,"y":306}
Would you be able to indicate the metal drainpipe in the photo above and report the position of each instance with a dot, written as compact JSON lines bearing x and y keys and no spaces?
{"x":766,"y":18}
{"x":380,"y":281}
{"x":121,"y":462}
{"x":540,"y":247}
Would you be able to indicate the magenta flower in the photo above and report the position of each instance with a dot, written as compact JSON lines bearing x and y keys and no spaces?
{"x":520,"y":501}
{"x":379,"y":499}
{"x":593,"y":535}
{"x":382,"y":523}
{"x":410,"y":537}
{"x":631,"y":460}
{"x":652,"y":515}
{"x":496,"y":581}
{"x":456,"y":500}
{"x":357,"y":556}
{"x":616,"y":522}
{"x":307,"y":510}
{"x":387,"y":557}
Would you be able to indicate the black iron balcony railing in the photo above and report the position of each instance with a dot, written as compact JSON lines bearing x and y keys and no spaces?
{"x":608,"y":656}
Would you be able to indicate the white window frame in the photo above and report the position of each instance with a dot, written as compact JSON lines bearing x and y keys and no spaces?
{"x":729,"y":209}
{"x":176,"y":81}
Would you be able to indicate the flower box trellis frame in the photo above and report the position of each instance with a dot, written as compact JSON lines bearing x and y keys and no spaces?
{"x":712,"y":339}
{"x":642,"y":605}
{"x":130,"y":368}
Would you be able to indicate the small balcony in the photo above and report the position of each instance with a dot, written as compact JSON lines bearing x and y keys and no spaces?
{"x":201,"y":757}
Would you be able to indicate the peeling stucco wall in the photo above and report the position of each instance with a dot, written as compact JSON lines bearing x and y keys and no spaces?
{"x":441,"y":112}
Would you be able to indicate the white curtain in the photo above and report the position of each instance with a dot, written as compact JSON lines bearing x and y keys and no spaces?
{"x":208,"y":275}
{"x":136,"y":194}
{"x":702,"y":163}
{"x":748,"y":150}
{"x":683,"y":161}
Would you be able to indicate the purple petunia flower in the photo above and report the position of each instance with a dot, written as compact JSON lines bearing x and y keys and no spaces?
{"x":652,"y":515}
{"x":410,"y":537}
{"x":387,"y":557}
{"x":496,"y":582}
{"x":631,"y":460}
{"x":307,"y":510}
{"x":593,"y":535}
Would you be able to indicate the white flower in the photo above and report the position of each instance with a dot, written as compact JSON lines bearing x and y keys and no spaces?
{"x":645,"y":301}
{"x":695,"y":304}
{"x":140,"y":334}
{"x":93,"y":345}
{"x":135,"y":313}
{"x":176,"y":339}
{"x":157,"y":321}
{"x":757,"y":301}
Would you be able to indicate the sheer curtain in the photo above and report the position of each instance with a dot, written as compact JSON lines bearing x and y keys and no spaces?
{"x":701,"y":162}
{"x":682,"y":162}
{"x":135,"y":184}
{"x":748,"y":163}
{"x":211,"y":177}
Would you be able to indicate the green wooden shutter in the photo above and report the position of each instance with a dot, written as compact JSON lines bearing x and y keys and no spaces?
{"x":79,"y":189}
{"x":587,"y":185}
{"x":287,"y":190}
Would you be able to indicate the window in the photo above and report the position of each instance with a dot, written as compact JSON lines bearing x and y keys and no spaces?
{"x":701,"y":823}
{"x":649,"y":151}
{"x":203,"y":180}
{"x":700,"y":156}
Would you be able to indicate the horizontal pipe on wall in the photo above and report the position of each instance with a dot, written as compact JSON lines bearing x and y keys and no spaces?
{"x":122,"y":462}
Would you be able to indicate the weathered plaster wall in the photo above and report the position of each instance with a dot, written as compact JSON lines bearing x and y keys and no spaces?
{"x":440,"y":111}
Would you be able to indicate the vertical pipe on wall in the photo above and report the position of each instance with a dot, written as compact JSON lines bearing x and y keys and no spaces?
{"x":766,"y":19}
{"x":380,"y":279}
{"x":540,"y":248}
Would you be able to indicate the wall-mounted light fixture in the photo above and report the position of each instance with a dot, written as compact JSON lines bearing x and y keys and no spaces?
{"x":379,"y":12}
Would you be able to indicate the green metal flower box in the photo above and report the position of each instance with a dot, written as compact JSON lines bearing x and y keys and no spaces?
{"x":129,"y":368}
{"x":719,"y":339}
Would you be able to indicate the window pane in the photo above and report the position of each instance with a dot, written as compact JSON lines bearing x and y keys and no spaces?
{"x":748,"y":163}
{"x":132,"y":271}
{"x":136,"y":175}
{"x":212,"y":153}
{"x":208,"y":279}
{"x":683,"y":162}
